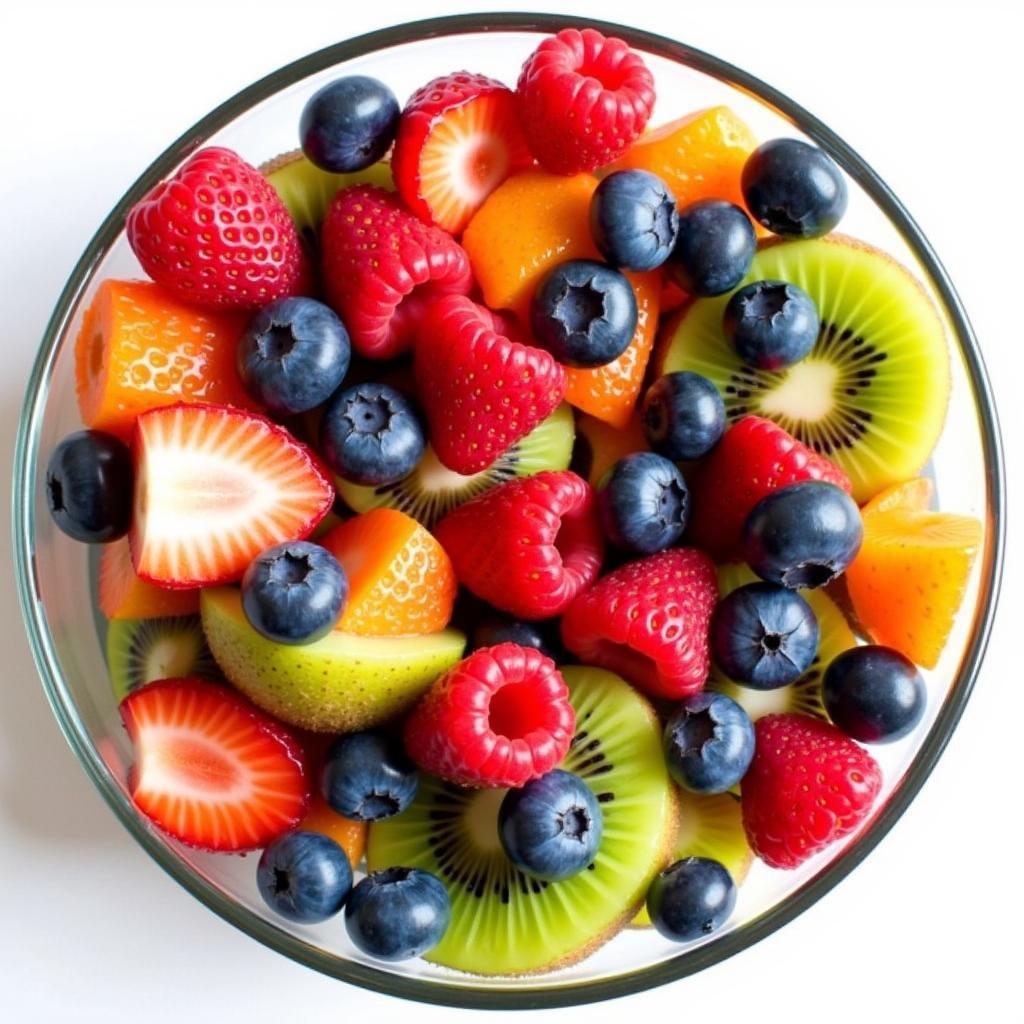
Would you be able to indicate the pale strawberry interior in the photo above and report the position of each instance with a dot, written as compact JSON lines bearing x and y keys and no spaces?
{"x":177,"y":763}
{"x":514,"y":712}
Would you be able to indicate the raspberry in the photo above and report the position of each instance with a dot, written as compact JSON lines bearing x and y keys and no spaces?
{"x":499,"y":718}
{"x":807,"y":787}
{"x":649,"y":621}
{"x":584,"y":98}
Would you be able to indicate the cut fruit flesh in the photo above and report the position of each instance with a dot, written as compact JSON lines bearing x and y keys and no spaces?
{"x":872,"y":393}
{"x":599,"y":446}
{"x":124,"y":595}
{"x":432,"y":490}
{"x":213,"y":488}
{"x":337,"y":684}
{"x":804,"y":695}
{"x":502,"y":921}
{"x":348,"y":834}
{"x":400,"y":580}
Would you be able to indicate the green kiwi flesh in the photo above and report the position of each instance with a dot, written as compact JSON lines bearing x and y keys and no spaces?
{"x":710,"y":826}
{"x":431,"y":490}
{"x":505,"y":923}
{"x":872,"y":393}
{"x":307,"y":191}
{"x":140,"y":651}
{"x":803,"y":696}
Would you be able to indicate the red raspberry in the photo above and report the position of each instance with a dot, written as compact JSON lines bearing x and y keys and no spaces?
{"x":217,"y":235}
{"x":649,"y":621}
{"x":754,"y":458}
{"x":480,"y":390}
{"x":382,"y":267}
{"x":527,"y":546}
{"x":499,"y":718}
{"x":807,"y":786}
{"x":584,"y":98}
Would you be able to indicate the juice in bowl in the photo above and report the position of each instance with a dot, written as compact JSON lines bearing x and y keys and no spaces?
{"x":489,"y":497}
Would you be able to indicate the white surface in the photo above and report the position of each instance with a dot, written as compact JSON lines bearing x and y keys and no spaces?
{"x":92,"y":930}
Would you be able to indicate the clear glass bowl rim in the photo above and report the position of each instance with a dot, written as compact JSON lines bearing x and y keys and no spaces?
{"x":464,"y":992}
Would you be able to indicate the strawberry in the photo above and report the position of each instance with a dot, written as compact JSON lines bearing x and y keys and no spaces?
{"x":808,"y":786}
{"x":480,"y":390}
{"x":499,"y":718}
{"x":210,"y":769}
{"x":527,"y":546}
{"x":458,"y":140}
{"x":217,"y":235}
{"x":754,"y":458}
{"x":584,"y":98}
{"x":649,"y":622}
{"x":382,"y":266}
{"x":215,"y":486}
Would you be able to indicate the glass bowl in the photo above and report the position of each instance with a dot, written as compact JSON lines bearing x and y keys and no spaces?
{"x":55,"y":574}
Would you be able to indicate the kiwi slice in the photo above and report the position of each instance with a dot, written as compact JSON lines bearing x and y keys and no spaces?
{"x":141,"y":650}
{"x":710,"y":826}
{"x":307,"y":191}
{"x":431,"y":490}
{"x":803,"y":696}
{"x":872,"y":393}
{"x":506,"y":923}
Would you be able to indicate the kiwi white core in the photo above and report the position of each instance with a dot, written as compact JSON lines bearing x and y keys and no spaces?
{"x":806,"y":392}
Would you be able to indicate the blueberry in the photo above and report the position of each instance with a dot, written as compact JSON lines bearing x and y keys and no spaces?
{"x":691,"y":899}
{"x":349,"y":123}
{"x":398,"y":913}
{"x":293,"y":355}
{"x":764,"y":636}
{"x":304,"y":876}
{"x":496,"y":630}
{"x":771,"y":324}
{"x":633,"y":220}
{"x":803,"y":535}
{"x":367,"y":776}
{"x":293,"y":593}
{"x":683,"y":415}
{"x":793,"y":188}
{"x":584,"y":313}
{"x":709,"y":743}
{"x":371,"y":434}
{"x":874,"y":694}
{"x":715,"y":247}
{"x":89,"y":486}
{"x":551,"y":828}
{"x":643,"y":503}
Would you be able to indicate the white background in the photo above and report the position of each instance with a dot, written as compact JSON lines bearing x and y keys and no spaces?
{"x":930,"y":94}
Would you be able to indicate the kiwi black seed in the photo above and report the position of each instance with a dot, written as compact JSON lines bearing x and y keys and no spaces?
{"x":506,"y":923}
{"x":872,"y":393}
{"x":142,"y":650}
{"x":431,"y":490}
{"x":804,"y":695}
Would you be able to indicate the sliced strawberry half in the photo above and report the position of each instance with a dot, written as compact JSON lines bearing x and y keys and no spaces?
{"x":215,"y":486}
{"x":459,"y":138}
{"x":210,"y":769}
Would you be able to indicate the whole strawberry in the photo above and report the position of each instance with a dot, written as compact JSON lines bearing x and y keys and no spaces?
{"x":217,"y":235}
{"x":754,"y":458}
{"x":584,"y":98}
{"x":499,"y":718}
{"x":481,"y":390}
{"x":649,"y":621}
{"x":808,"y":786}
{"x":527,"y":546}
{"x":382,"y":267}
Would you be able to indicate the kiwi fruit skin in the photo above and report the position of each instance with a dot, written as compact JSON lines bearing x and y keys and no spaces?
{"x":881,"y":354}
{"x":340,"y":683}
{"x":431,"y":490}
{"x":804,"y":695}
{"x":140,"y":651}
{"x":709,"y":826}
{"x":617,"y":751}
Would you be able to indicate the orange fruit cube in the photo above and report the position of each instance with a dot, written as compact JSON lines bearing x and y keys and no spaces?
{"x":123,"y":595}
{"x":348,"y":834}
{"x":400,"y":580}
{"x":140,"y":348}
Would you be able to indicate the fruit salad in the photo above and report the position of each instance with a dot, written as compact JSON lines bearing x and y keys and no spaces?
{"x":514,"y":508}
